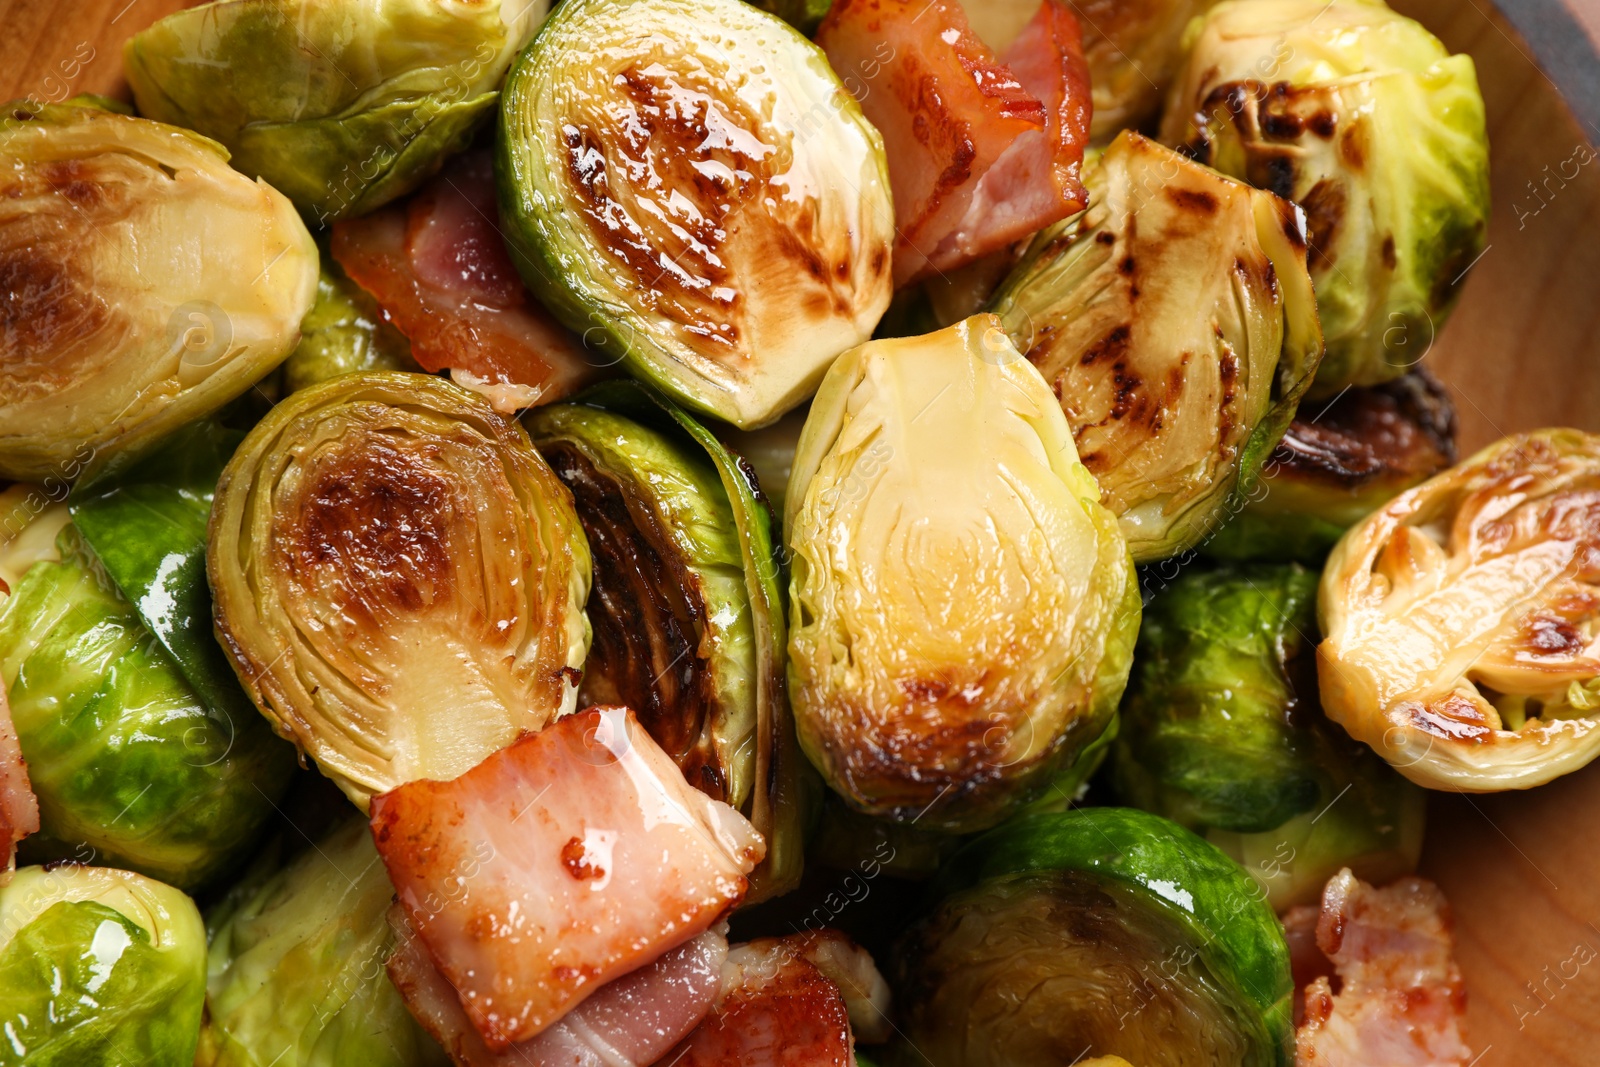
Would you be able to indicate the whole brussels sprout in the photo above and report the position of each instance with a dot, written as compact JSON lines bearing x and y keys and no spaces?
{"x":1176,"y":321}
{"x":148,"y":284}
{"x":343,"y":333}
{"x":962,"y":608}
{"x":687,"y":182}
{"x":1222,"y":733}
{"x":1459,"y":620}
{"x":1365,"y":120}
{"x":342,"y":105}
{"x":129,"y":763}
{"x":296,"y":967}
{"x":1101,"y":931}
{"x":1338,"y":464}
{"x":686,"y":608}
{"x":384,"y":546}
{"x":99,"y":968}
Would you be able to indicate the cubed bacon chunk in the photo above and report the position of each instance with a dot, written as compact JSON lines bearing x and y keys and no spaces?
{"x":790,"y":1002}
{"x":438,"y":268}
{"x":1400,"y":998}
{"x":558,"y":864}
{"x":981,"y":152}
{"x":635,"y":1019}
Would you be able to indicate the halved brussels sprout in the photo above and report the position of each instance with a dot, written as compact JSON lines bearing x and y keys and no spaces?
{"x":296,"y":966}
{"x":1338,"y":464}
{"x":342,"y":105}
{"x":962,"y":607}
{"x":399,"y":578}
{"x":1102,"y":931}
{"x":129,"y":764}
{"x":343,"y":333}
{"x":1175,"y":320}
{"x":686,"y":607}
{"x":1365,"y":120}
{"x":1461,"y":621}
{"x":688,"y":180}
{"x":148,"y":284}
{"x":1222,"y":733}
{"x":99,"y":968}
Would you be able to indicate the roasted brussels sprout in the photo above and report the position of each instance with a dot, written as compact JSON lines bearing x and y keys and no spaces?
{"x":1339,"y":463}
{"x":1461,"y":635}
{"x":1221,"y":732}
{"x":962,"y":608}
{"x":147,"y":285}
{"x":130,"y":764}
{"x":1175,"y":320}
{"x":99,"y":968}
{"x":342,"y":105}
{"x":384,"y":546}
{"x":687,"y":183}
{"x":296,"y":974}
{"x":769,"y":452}
{"x":686,"y":607}
{"x":1102,"y":931}
{"x":344,"y":332}
{"x":1365,"y":120}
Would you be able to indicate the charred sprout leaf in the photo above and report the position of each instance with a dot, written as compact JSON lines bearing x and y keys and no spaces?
{"x":962,"y":607}
{"x":1102,"y":931}
{"x":769,"y":452}
{"x":687,"y":610}
{"x":399,"y":578}
{"x":131,"y":766}
{"x":1364,"y":119}
{"x":149,"y":284}
{"x":1223,"y":734}
{"x":344,"y":332}
{"x":296,"y":967}
{"x":1338,"y":462}
{"x":689,"y":187}
{"x":99,"y":968}
{"x":1176,"y":321}
{"x":342,"y":105}
{"x":1460,"y":620}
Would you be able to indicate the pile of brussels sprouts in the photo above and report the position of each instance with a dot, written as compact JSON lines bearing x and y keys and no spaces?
{"x":1022,"y":613}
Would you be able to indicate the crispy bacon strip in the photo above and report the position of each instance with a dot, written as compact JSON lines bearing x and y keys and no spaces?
{"x":635,"y":1019}
{"x":558,"y":864}
{"x":981,"y":153}
{"x":19,"y":808}
{"x":1400,"y":998}
{"x":438,"y":268}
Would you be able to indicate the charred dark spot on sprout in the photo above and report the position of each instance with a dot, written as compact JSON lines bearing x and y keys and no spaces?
{"x":1387,"y":251}
{"x":1455,"y":718}
{"x":374,"y":524}
{"x":1323,"y":123}
{"x":575,"y":858}
{"x":1196,"y":200}
{"x":44,"y":309}
{"x":1353,"y":147}
{"x":646,"y":616}
{"x":1548,"y":635}
{"x":1127,"y":267}
{"x":1105,"y":237}
{"x":1113,"y":346}
{"x":1324,"y":205}
{"x":1227,"y":416}
{"x":73,"y":179}
{"x":1398,"y":433}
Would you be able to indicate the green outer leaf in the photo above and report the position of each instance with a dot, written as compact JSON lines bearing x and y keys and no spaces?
{"x":1193,"y":882}
{"x":790,"y":796}
{"x":296,"y":976}
{"x":99,"y":968}
{"x":343,"y":333}
{"x":671,"y":478}
{"x":127,"y":762}
{"x":1210,"y":742}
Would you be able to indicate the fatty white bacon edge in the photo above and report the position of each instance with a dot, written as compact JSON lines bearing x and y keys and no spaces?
{"x":1400,"y":997}
{"x":630,"y":1022}
{"x":19,"y":808}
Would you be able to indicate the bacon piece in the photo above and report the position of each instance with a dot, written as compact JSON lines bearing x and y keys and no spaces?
{"x":558,"y":864}
{"x":981,"y":153}
{"x":1400,"y":998}
{"x":19,"y":808}
{"x":439,"y":270}
{"x":635,"y":1019}
{"x":782,"y":1005}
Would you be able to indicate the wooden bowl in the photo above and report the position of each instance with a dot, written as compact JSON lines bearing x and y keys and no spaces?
{"x":1522,"y":350}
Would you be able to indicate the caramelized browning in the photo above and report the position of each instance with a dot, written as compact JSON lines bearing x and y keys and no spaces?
{"x":1400,"y":433}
